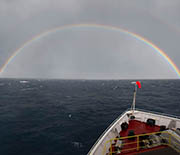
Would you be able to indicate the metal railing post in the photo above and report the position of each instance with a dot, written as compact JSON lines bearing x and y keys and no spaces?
{"x":104,"y":152}
{"x":170,"y":139}
{"x":111,"y":147}
{"x":137,"y":143}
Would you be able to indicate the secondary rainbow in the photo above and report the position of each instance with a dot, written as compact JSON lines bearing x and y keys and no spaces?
{"x":107,"y":27}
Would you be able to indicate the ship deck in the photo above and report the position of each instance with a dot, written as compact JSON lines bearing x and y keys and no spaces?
{"x":141,"y":133}
{"x":163,"y":151}
{"x":140,"y":128}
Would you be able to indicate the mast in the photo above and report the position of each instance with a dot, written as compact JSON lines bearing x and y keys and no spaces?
{"x":136,"y":84}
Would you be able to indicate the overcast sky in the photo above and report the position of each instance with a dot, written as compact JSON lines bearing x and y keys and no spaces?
{"x":89,"y":52}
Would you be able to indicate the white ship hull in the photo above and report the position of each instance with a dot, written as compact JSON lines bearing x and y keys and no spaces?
{"x":102,"y":146}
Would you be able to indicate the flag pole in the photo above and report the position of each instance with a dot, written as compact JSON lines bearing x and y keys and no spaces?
{"x":134,"y":99}
{"x":136,"y":84}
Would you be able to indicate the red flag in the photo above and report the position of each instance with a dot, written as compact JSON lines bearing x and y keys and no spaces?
{"x":138,"y":84}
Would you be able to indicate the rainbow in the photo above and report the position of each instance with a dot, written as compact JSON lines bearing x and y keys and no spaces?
{"x":107,"y":27}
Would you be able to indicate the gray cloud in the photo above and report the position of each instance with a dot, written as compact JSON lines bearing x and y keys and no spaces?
{"x":92,"y":53}
{"x":88,"y":53}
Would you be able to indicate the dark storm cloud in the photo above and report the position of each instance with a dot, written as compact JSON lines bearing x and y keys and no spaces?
{"x":22,"y":19}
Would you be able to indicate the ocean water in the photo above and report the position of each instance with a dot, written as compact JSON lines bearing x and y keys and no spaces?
{"x":63,"y":117}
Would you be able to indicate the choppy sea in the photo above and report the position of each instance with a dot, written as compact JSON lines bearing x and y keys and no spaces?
{"x":63,"y":117}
